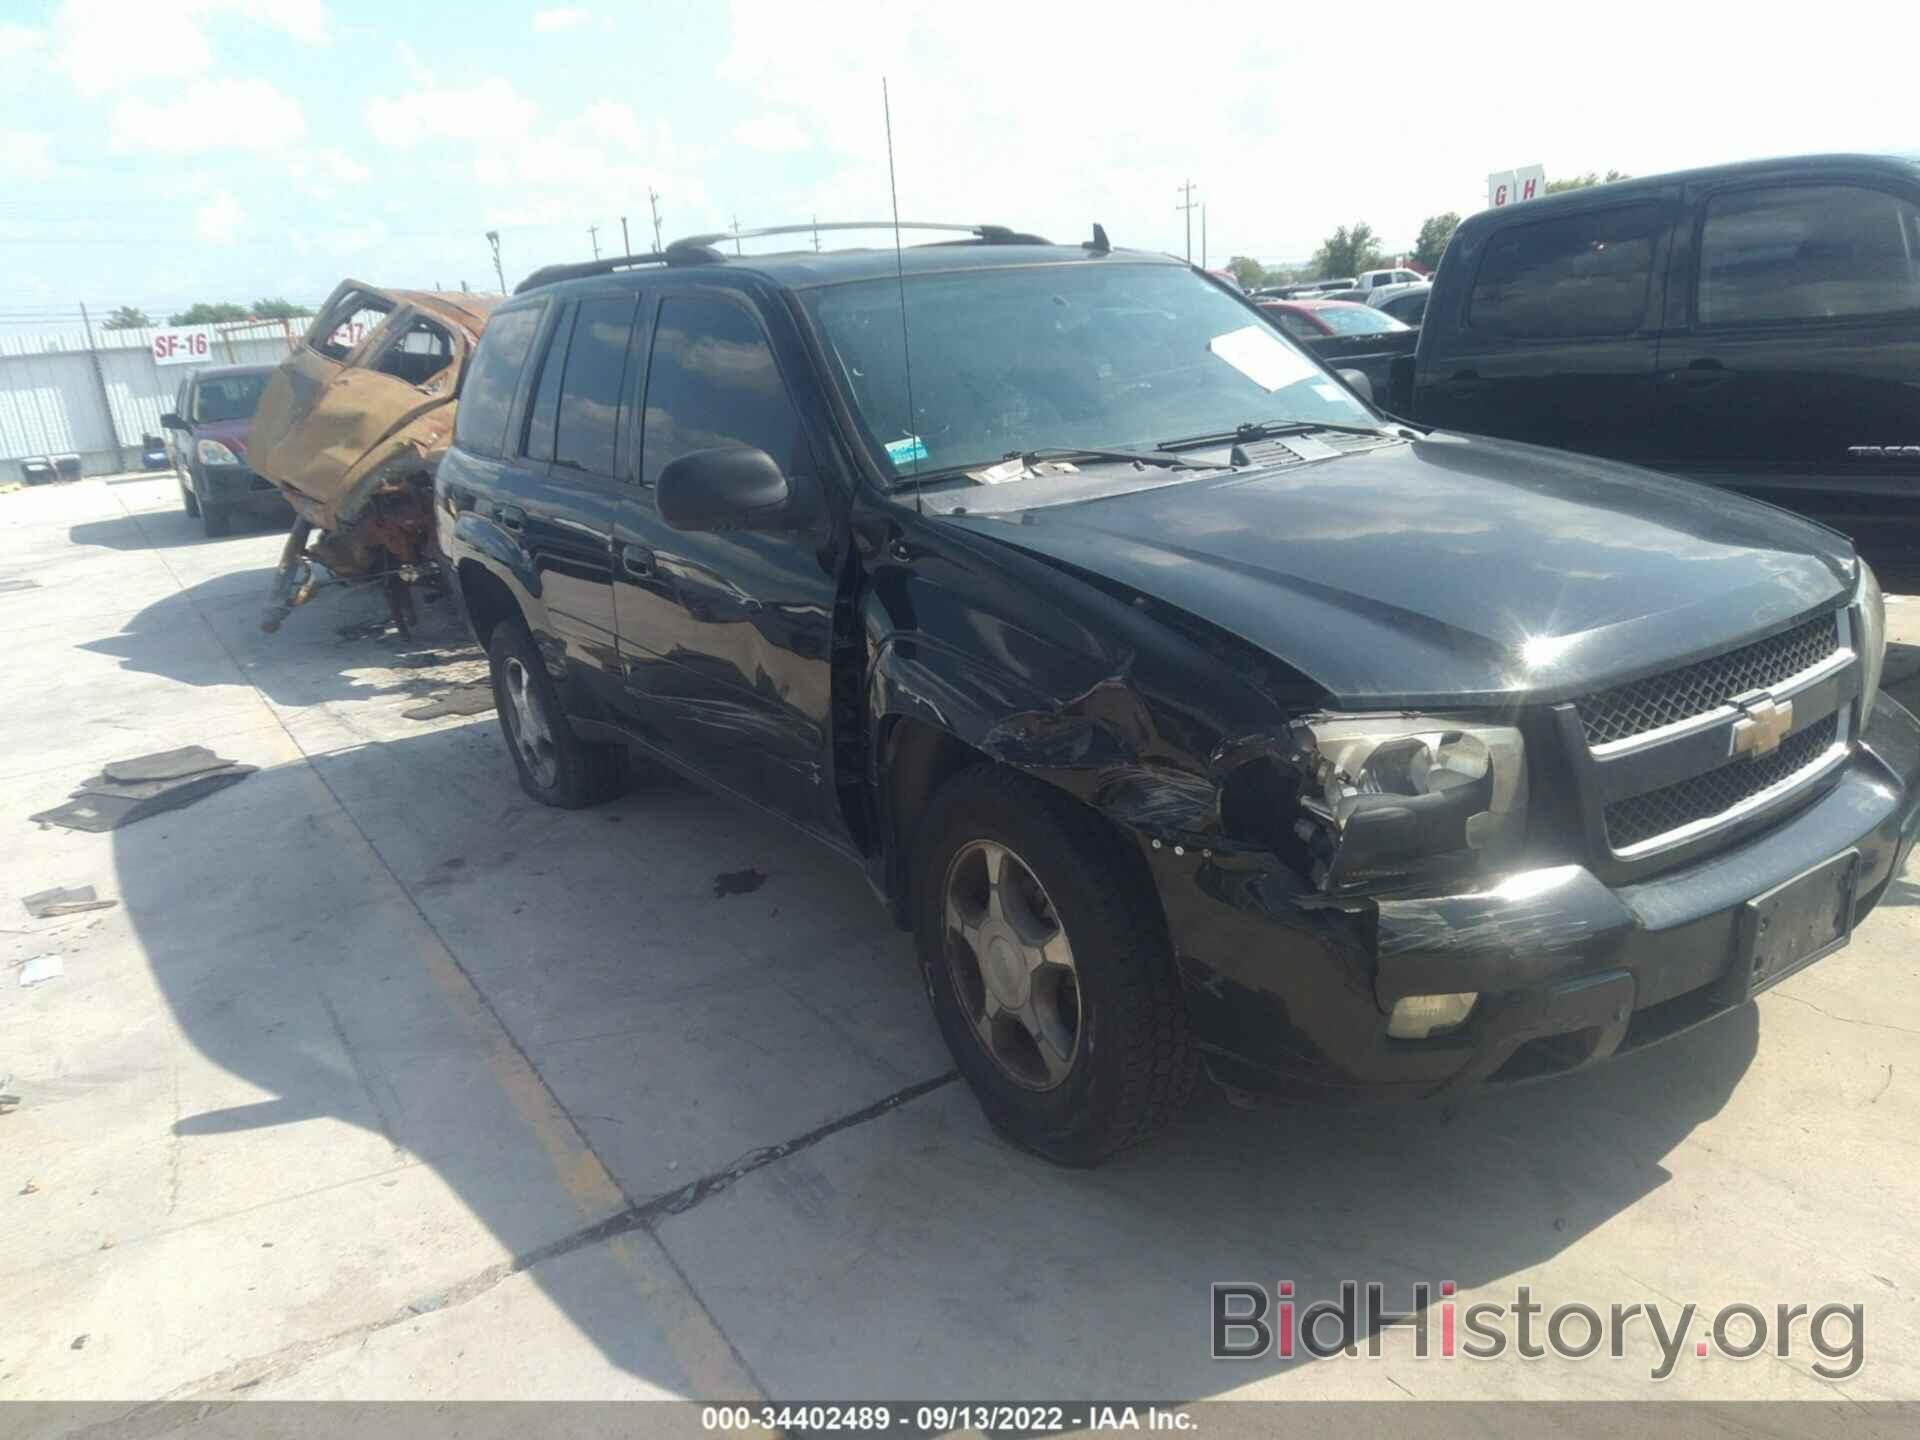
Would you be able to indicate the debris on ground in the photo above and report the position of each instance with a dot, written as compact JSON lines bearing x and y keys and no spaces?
{"x":130,"y":790}
{"x":475,"y":699}
{"x":40,"y":969}
{"x":64,"y":902}
{"x":6,"y":585}
{"x":29,"y":1188}
{"x":738,"y":882}
{"x":8,"y":1100}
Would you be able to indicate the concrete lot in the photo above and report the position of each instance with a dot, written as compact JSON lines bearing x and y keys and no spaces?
{"x":382,"y":1081}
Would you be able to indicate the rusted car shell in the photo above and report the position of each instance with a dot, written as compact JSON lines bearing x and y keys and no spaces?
{"x":329,"y":432}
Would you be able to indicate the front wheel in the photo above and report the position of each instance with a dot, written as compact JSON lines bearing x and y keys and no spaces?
{"x":188,"y":498}
{"x":1048,"y":966}
{"x":556,"y":766}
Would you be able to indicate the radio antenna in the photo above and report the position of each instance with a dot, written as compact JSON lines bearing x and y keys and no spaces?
{"x":900,"y":274}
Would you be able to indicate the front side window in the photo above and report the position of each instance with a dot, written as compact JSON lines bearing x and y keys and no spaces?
{"x":1108,"y":355}
{"x":1807,"y":252}
{"x":713,"y":383}
{"x":1584,"y":275}
{"x":487,"y":396}
{"x":588,"y":426}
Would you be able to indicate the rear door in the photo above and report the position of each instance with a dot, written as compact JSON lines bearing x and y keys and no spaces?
{"x":1555,"y":337}
{"x":727,"y":638}
{"x":1790,"y":368}
{"x":568,"y":458}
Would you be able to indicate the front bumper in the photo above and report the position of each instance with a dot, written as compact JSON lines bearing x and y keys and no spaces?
{"x":1289,"y":991}
{"x":237,"y":485}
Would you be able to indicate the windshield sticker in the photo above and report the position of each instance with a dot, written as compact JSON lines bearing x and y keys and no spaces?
{"x":1329,"y":392}
{"x":905,"y":451}
{"x":1018,"y":469}
{"x":1260,"y":355}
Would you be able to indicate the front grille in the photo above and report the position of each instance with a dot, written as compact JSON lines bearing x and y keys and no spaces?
{"x":1694,"y":690}
{"x":1644,"y":816}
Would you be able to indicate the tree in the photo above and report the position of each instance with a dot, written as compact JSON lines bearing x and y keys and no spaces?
{"x":1435,"y":231}
{"x":127,"y":317}
{"x":280,"y":309}
{"x":1348,"y":251}
{"x":1581,"y":182}
{"x":202,"y":312}
{"x":1250,"y":273}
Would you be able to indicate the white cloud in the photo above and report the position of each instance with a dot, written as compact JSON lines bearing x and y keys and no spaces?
{"x":20,"y":40}
{"x":323,"y":172}
{"x":490,"y":110}
{"x":26,"y":155}
{"x":561,"y":17}
{"x":776,"y":134}
{"x":218,"y":221}
{"x":232,"y":114}
{"x":107,"y":45}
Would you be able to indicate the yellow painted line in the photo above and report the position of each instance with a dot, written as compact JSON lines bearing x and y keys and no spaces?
{"x":705,"y":1357}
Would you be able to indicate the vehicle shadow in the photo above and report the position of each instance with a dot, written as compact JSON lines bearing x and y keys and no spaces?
{"x":339,"y":646}
{"x":174,"y":529}
{"x":673,"y":1017}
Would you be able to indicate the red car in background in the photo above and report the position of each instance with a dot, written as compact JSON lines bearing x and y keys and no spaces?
{"x":1345,"y":336}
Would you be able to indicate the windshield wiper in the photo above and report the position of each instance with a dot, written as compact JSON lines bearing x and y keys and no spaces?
{"x":1268,"y":430}
{"x":1030,"y":458}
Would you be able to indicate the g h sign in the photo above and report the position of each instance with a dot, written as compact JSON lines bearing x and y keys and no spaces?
{"x":1511,"y":187}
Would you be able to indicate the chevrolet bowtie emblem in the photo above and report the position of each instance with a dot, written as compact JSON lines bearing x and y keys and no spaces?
{"x":1762,"y":727}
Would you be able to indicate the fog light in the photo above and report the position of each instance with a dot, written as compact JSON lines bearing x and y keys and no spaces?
{"x":1418,"y":1016}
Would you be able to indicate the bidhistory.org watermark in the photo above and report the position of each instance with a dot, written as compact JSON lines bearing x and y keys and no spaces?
{"x":1251,"y":1323}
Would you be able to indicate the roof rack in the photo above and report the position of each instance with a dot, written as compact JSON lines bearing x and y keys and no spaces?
{"x":680,"y":252}
{"x":991,"y":234}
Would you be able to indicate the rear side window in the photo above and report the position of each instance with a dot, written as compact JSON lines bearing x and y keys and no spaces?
{"x":1584,"y":275}
{"x":355,"y":316}
{"x":1807,"y":252}
{"x":492,"y":377}
{"x":713,"y":383}
{"x":1296,"y":325}
{"x":589,"y":419}
{"x":417,"y":354}
{"x":545,"y":409}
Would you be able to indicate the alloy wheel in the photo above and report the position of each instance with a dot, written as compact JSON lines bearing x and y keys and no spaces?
{"x":528,"y":725}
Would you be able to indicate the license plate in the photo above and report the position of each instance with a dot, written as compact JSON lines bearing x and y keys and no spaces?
{"x":1792,"y":925}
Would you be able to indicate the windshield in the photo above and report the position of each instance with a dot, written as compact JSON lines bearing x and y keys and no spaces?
{"x":1356,"y":320}
{"x":1086,"y":355}
{"x":228,"y":397}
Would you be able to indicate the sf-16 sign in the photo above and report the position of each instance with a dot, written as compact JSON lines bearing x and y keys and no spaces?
{"x":184,"y":345}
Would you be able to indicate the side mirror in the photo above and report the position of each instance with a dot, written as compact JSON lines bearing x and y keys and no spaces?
{"x":1358,"y":383}
{"x":734,"y":488}
{"x":171,"y":421}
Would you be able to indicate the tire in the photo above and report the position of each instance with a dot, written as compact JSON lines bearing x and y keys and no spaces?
{"x":1131,"y":1065}
{"x":215,"y":520}
{"x":557,"y":768}
{"x":190,"y":500}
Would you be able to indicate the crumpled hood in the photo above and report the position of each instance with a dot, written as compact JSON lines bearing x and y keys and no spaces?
{"x":1454,"y":569}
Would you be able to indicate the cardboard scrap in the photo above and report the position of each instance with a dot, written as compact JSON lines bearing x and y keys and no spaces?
{"x":64,"y":902}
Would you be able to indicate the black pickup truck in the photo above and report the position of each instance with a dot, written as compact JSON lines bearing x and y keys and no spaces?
{"x":1190,"y":712}
{"x":1755,"y":326}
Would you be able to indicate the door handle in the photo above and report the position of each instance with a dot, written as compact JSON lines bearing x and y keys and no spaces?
{"x":637,"y":560}
{"x":1701,"y":374}
{"x":511,"y":517}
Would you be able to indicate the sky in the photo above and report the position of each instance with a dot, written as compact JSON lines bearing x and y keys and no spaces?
{"x":157,"y":152}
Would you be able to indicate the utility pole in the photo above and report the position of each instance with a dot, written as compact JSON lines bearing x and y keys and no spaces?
{"x":1203,"y":234}
{"x":626,"y":245}
{"x":1187,"y":191}
{"x":653,"y":202}
{"x":593,"y":234}
{"x":816,"y":234}
{"x":736,"y":234}
{"x":493,"y":239}
{"x":100,"y":382}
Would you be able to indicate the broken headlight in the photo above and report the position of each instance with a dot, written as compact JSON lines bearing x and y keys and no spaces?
{"x":1394,"y":794}
{"x":1870,"y":636}
{"x":212,"y":452}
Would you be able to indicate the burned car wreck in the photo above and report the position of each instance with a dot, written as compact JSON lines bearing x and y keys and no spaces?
{"x":350,"y":430}
{"x":1191,"y":713}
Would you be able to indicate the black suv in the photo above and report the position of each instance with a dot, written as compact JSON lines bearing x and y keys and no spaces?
{"x":1755,"y":326}
{"x":1187,"y":710}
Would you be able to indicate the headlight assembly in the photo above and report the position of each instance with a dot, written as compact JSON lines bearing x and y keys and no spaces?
{"x":1869,"y":637}
{"x":1394,"y":793}
{"x":212,"y":452}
